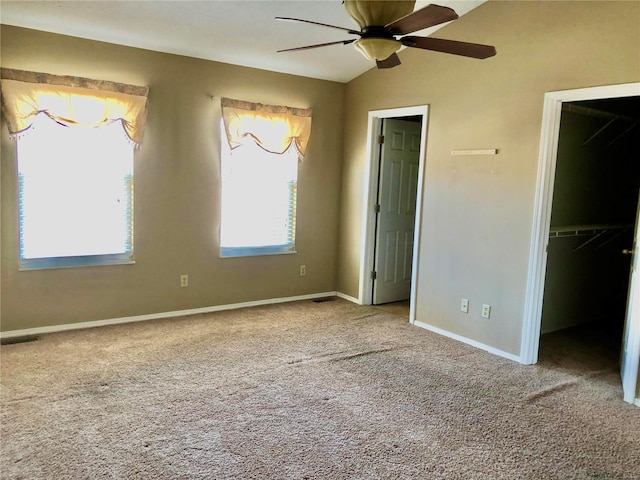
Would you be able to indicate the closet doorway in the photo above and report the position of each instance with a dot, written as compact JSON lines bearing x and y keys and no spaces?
{"x":585,"y":218}
{"x":593,"y":218}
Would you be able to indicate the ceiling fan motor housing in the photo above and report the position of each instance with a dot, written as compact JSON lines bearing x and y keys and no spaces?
{"x":377,"y":42}
{"x":367,"y":13}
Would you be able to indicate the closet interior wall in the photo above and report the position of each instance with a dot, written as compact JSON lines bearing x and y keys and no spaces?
{"x":593,"y":215}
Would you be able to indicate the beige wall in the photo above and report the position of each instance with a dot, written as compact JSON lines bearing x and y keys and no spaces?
{"x":477,"y":211}
{"x":176,"y":190}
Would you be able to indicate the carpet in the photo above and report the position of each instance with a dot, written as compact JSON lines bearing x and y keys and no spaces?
{"x":303,"y":390}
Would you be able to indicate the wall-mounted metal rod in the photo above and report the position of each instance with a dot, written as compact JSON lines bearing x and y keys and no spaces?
{"x":621,"y":135}
{"x":609,"y":240}
{"x":593,"y":239}
{"x":599,"y":131}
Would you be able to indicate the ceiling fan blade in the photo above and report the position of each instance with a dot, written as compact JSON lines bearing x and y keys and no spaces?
{"x":318,"y":45}
{"x":392,"y":61}
{"x":465,"y":49}
{"x":289,"y":19}
{"x":424,"y":18}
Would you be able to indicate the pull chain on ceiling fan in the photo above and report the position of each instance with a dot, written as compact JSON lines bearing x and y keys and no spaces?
{"x":382,"y":21}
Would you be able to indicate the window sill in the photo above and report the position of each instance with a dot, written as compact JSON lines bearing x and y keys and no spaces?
{"x":232,"y":252}
{"x":74,"y":262}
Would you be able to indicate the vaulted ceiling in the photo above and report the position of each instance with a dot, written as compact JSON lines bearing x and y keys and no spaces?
{"x":240,"y":32}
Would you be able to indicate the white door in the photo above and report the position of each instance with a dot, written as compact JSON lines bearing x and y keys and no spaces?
{"x":397,"y":190}
{"x":631,"y":339}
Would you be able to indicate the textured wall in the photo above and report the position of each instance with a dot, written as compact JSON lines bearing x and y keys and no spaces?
{"x":176,"y":190}
{"x":477,"y":211}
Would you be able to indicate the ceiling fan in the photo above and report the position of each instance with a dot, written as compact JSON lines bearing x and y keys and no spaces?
{"x":381,"y":21}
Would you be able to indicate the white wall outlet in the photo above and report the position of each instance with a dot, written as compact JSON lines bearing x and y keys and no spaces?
{"x":486,"y":311}
{"x":303,"y":270}
{"x":184,"y":280}
{"x":464,"y":305}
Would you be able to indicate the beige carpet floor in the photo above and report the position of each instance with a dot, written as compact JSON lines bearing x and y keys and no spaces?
{"x":304,"y":390}
{"x":401,"y":309}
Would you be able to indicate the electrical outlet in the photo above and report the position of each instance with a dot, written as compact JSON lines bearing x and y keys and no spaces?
{"x":303,"y":270}
{"x":464,"y":305}
{"x":184,"y":280}
{"x":486,"y":311}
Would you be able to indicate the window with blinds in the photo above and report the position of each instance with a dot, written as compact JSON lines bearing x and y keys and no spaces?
{"x":75,"y":140}
{"x":258,"y":200}
{"x":75,"y":187}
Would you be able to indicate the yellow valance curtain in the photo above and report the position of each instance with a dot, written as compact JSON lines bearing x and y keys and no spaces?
{"x":71,"y":101}
{"x":272,"y":128}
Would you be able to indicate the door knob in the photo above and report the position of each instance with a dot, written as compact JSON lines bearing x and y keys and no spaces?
{"x":627,"y":251}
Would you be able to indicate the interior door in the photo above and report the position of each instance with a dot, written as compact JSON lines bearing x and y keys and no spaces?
{"x":631,"y":340}
{"x":397,"y":190}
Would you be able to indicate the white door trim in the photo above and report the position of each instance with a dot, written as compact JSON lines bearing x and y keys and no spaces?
{"x":631,"y":349}
{"x":542,"y":210}
{"x":370,"y":191}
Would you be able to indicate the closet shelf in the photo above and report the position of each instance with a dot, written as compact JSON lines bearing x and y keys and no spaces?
{"x":581,"y":230}
{"x":612,"y":231}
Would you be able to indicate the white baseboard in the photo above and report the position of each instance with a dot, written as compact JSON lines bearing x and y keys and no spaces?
{"x":348,"y":297}
{"x":468,"y":341}
{"x":156,"y":316}
{"x":636,"y":402}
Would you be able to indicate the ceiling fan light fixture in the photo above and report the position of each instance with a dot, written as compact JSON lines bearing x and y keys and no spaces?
{"x":377,"y":48}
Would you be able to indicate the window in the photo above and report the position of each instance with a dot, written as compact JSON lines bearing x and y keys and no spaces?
{"x":75,"y":195}
{"x":261,"y":148}
{"x":75,"y":139}
{"x":258,"y":201}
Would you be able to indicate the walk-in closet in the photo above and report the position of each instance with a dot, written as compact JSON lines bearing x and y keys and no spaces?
{"x":592,"y":229}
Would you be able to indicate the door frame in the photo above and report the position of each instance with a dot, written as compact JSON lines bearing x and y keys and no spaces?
{"x":530,"y":341}
{"x":375,"y":117}
{"x":629,"y":370}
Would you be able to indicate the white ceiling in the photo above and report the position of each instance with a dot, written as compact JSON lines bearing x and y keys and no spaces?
{"x":240,"y":32}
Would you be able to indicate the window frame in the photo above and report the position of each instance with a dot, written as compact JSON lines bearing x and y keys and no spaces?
{"x":52,"y":262}
{"x":258,"y":250}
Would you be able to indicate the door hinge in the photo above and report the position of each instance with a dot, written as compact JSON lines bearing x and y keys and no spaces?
{"x":376,"y":208}
{"x":380,"y":139}
{"x":374,"y":275}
